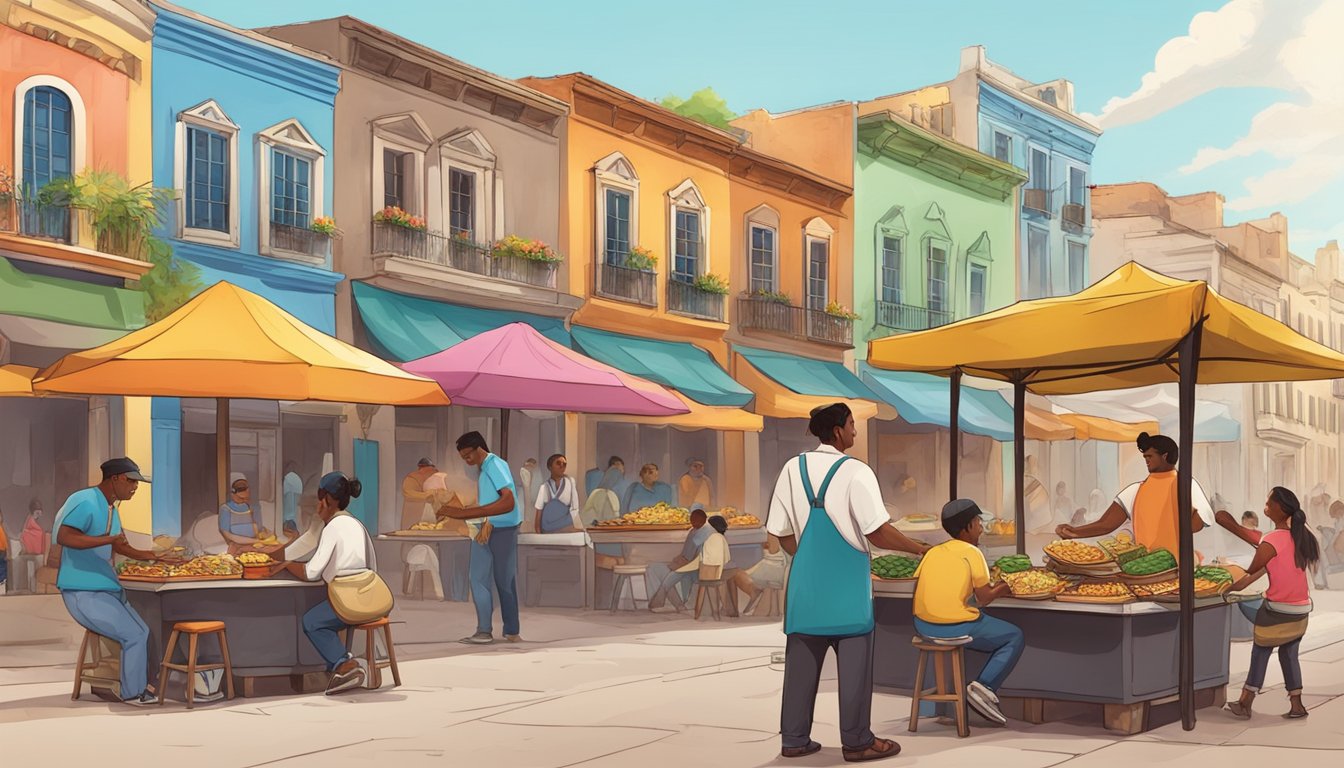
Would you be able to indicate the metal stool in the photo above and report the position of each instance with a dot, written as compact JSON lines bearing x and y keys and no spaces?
{"x":623,"y":574}
{"x":99,"y":671}
{"x":193,"y":630}
{"x":939,"y":649}
{"x":370,"y":631}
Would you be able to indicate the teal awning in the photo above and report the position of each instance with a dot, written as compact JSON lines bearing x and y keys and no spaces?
{"x":405,"y":328}
{"x":806,"y":376}
{"x":677,"y":364}
{"x":922,"y":398}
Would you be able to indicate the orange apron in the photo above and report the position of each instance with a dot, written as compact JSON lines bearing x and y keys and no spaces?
{"x":1154,"y":515}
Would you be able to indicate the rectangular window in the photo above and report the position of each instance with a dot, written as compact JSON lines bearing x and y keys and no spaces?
{"x":762,"y":259}
{"x":686,"y":260}
{"x":892,"y":254}
{"x":1077,"y":186}
{"x":818,"y":273}
{"x":462,"y":203}
{"x":395,"y":167}
{"x":979,"y":280}
{"x":291,"y":189}
{"x":617,"y":229}
{"x":1003,"y":147}
{"x":207,"y":185}
{"x":1077,"y":267}
{"x":937,"y":257}
{"x":1038,"y":263}
{"x":1039,"y":169}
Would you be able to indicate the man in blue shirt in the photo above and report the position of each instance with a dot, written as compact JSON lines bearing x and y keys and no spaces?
{"x":647,"y":492}
{"x":494,"y":553}
{"x":89,"y":530}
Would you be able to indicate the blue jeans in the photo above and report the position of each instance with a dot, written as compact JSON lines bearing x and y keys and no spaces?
{"x":323,"y":628}
{"x":1002,"y":641}
{"x":108,"y":614}
{"x":497,"y":561}
{"x":1288,"y":662}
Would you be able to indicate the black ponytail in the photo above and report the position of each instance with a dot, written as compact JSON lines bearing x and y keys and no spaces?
{"x":339,"y":487}
{"x":1306,"y":551}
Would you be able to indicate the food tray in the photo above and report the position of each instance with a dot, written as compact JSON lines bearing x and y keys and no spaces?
{"x":1064,"y":597}
{"x":1036,"y":595}
{"x":1108,"y":559}
{"x":1154,"y":578}
{"x":1107,"y":568}
{"x":180,"y":579}
{"x":661,"y":527}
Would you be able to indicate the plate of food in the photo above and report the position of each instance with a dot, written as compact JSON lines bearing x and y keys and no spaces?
{"x":1035,"y":584}
{"x":1104,"y":592}
{"x":894,"y":568}
{"x":1077,"y":553}
{"x":1203,"y":588}
{"x":1152,"y":568}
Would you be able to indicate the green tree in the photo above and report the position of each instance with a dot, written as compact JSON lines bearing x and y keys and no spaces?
{"x":169,"y":284}
{"x":704,"y":105}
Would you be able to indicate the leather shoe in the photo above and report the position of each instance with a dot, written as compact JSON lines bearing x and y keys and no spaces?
{"x":811,"y":749}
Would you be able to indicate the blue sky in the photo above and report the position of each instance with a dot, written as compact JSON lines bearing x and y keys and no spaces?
{"x":786,"y":54}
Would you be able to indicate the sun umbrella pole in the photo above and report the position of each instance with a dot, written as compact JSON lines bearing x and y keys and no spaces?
{"x":222,"y":447}
{"x":954,"y":433}
{"x":504,"y":433}
{"x":1020,"y":462}
{"x":1189,"y":367}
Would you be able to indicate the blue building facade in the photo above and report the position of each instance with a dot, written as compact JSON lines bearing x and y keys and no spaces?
{"x":243,"y":131}
{"x":1032,"y":126}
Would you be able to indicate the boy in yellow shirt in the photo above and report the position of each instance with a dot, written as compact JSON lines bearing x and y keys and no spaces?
{"x":949,"y":576}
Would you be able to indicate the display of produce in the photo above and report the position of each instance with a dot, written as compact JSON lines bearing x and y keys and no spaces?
{"x":1156,"y":561}
{"x":1122,"y":548}
{"x":204,"y":565}
{"x":894,"y":567}
{"x":1168,"y":587}
{"x":659,"y":514}
{"x":1204,"y":587}
{"x":254,"y":558}
{"x":1214,"y":573}
{"x":1013,"y":563}
{"x":1104,"y":589}
{"x":738,"y":519}
{"x":1034,"y":583}
{"x":1078,"y":552}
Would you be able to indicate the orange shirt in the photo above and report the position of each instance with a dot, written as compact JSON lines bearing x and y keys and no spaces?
{"x":1152,"y":508}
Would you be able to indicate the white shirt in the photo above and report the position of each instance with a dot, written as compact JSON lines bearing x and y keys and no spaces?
{"x":343,"y":550}
{"x":1198,"y":500}
{"x":853,"y":501}
{"x":569,"y":496}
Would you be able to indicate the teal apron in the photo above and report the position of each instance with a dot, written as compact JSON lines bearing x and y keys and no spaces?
{"x":830,"y":591}
{"x":555,"y":513}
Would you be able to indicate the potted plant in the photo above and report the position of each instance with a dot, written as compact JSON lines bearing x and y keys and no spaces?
{"x":325,"y":225}
{"x":712,"y":283}
{"x":7,"y":196}
{"x":517,"y":247}
{"x":840,"y":311}
{"x":123,"y":217}
{"x":641,"y":259}
{"x":399,"y":218}
{"x":774,"y":297}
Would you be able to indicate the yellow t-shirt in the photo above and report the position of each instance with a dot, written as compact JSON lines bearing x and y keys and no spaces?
{"x":948,"y":576}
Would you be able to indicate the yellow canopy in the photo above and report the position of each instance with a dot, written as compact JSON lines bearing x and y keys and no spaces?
{"x":16,"y":380}
{"x":1100,"y":428}
{"x":229,"y":343}
{"x":1121,"y":332}
{"x":700,"y":417}
{"x":777,"y":401}
{"x":1040,"y":424}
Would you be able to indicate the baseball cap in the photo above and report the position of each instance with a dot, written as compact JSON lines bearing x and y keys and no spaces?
{"x":122,"y":466}
{"x":964,"y":508}
{"x":425,"y":463}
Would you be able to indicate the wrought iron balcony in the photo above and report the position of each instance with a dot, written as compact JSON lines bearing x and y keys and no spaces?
{"x":625,"y":284}
{"x":28,"y":218}
{"x":904,"y":317}
{"x":464,"y":255}
{"x":762,"y":314}
{"x":686,"y":299}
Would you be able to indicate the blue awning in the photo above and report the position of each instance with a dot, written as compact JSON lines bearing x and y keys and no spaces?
{"x":807,"y":376}
{"x":922,"y":398}
{"x":677,"y":364}
{"x":405,"y":328}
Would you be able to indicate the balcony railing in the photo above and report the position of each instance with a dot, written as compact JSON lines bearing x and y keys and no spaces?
{"x":1037,"y":201}
{"x":28,"y":218}
{"x":286,"y":237}
{"x":460,"y":254}
{"x":634,"y":285}
{"x":795,"y":322}
{"x":904,"y":317}
{"x":1074,"y":217}
{"x":684,"y":298}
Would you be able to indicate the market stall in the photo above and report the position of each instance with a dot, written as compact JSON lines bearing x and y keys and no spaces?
{"x":1133,"y":328}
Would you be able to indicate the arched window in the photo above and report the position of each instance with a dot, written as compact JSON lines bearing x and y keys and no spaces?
{"x":617,"y":221}
{"x":763,"y":250}
{"x":48,"y":138}
{"x":690,"y":232}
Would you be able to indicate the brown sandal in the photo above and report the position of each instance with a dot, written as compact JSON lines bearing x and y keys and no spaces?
{"x":878,"y":750}
{"x":1239,"y":710}
{"x":811,"y":749}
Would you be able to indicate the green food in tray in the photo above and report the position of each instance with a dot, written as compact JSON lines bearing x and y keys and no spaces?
{"x":1013,"y":563}
{"x":1156,"y":561}
{"x":1213,"y":573}
{"x":894,"y":567}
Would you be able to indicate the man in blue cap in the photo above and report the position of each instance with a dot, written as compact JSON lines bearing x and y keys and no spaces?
{"x":89,"y":530}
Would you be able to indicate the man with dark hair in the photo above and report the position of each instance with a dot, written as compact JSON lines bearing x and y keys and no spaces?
{"x":826,"y":510}
{"x":949,"y":576}
{"x":88,"y":528}
{"x":1151,"y":503}
{"x":494,"y":552}
{"x":679,"y":571}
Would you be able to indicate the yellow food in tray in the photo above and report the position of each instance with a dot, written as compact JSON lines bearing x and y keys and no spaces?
{"x":658,"y":514}
{"x":1108,"y":589}
{"x":1076,"y":552}
{"x":1168,"y":587}
{"x":1034,"y":582}
{"x":744,"y":521}
{"x":255,"y":558}
{"x":430,"y":526}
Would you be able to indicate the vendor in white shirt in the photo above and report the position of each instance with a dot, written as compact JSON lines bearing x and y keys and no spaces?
{"x":557,"y":503}
{"x":343,"y":550}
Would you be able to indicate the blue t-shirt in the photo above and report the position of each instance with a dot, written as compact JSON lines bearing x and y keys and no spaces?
{"x":638,"y":497}
{"x":238,"y":519}
{"x":495,"y":477}
{"x":88,"y":569}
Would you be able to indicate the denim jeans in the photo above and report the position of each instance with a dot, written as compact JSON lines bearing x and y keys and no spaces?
{"x":323,"y":628}
{"x":497,"y":561}
{"x":1292,"y":668}
{"x":108,"y":614}
{"x":1002,"y":641}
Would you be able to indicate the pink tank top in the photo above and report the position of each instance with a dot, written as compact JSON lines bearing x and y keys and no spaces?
{"x":1287,"y":582}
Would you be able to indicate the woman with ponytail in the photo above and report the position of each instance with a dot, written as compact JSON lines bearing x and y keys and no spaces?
{"x":344,"y":550}
{"x":1286,"y":554}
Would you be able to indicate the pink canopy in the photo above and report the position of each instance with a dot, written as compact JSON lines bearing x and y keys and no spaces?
{"x":515,"y":367}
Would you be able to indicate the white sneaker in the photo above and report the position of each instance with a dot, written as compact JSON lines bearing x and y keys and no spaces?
{"x":979,"y":687}
{"x":983,"y":705}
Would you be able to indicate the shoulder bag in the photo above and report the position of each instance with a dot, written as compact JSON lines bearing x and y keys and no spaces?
{"x":361,"y":597}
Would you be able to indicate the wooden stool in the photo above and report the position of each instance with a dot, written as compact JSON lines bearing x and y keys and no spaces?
{"x":370,"y":631}
{"x":193,"y":630}
{"x":99,"y":671}
{"x":940,"y":649}
{"x":714,"y":588}
{"x":623,"y":575}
